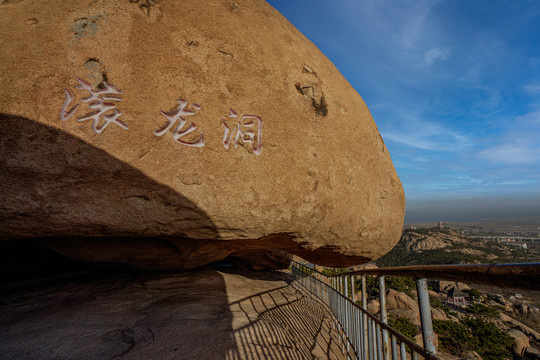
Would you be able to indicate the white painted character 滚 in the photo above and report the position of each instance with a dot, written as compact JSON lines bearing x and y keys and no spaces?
{"x":101,"y":101}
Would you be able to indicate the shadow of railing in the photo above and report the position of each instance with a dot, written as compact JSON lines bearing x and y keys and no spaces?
{"x":283,"y":324}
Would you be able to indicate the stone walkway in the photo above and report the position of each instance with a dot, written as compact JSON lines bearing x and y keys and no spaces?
{"x":205,"y":314}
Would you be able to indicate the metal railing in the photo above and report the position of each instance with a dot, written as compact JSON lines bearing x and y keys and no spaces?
{"x":366,"y":336}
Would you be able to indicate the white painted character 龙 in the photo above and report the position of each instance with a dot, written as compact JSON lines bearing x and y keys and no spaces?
{"x":178,"y":133}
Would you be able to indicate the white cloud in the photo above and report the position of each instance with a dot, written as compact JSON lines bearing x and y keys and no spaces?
{"x":518,"y":182}
{"x":532,"y":88}
{"x":397,"y":24}
{"x":530,"y":118}
{"x":428,"y":136}
{"x":512,"y":153}
{"x":434,"y":54}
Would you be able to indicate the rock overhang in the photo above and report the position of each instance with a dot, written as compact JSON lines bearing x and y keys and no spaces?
{"x":228,"y":131}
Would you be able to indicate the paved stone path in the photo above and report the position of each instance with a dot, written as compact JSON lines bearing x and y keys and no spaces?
{"x":205,"y":314}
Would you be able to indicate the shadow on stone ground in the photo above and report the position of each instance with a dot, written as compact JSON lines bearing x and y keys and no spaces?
{"x":281,"y":323}
{"x":204,"y":314}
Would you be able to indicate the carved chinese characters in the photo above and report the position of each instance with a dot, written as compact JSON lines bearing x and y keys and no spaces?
{"x":244,"y":131}
{"x":178,"y":133}
{"x":101,"y":101}
{"x":247,"y":129}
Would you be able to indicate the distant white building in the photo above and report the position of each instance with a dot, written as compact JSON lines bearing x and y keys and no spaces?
{"x":514,"y":243}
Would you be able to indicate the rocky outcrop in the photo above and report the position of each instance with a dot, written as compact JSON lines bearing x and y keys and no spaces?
{"x":521,"y":342}
{"x":415,"y":242}
{"x":419,"y":339}
{"x":373,"y":306}
{"x":399,"y":300}
{"x":438,"y":314}
{"x":401,"y":305}
{"x":471,"y":355}
{"x":267,"y":147}
{"x":510,"y":322}
{"x":446,"y":286}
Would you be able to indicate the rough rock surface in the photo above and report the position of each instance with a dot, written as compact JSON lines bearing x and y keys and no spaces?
{"x":471,"y":355}
{"x":419,"y":339}
{"x":521,"y":342}
{"x":510,"y":322}
{"x":445,"y":356}
{"x":261,"y":260}
{"x":438,"y":314}
{"x":402,"y":305}
{"x":446,"y":286}
{"x":204,"y":314}
{"x":316,"y":180}
{"x":399,"y":300}
{"x":373,"y":306}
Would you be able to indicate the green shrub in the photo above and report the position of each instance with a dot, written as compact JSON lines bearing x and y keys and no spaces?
{"x":453,"y":337}
{"x":334,"y":271}
{"x":490,"y":342}
{"x":483,"y":310}
{"x":401,"y":284}
{"x":474,"y":295}
{"x":404,"y":326}
{"x":473,"y":334}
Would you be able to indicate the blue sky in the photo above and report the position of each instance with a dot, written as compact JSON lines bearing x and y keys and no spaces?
{"x":454,"y":88}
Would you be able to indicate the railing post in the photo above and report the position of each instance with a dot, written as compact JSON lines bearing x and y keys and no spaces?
{"x":425,"y":316}
{"x":394,"y":348}
{"x":364,"y":318}
{"x":384,"y":317}
{"x":346,"y":312}
{"x":354,"y":321}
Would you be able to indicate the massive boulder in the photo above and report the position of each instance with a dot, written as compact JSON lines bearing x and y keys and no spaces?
{"x":132,"y":131}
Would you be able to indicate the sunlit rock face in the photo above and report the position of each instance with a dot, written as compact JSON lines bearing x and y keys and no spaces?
{"x":171,"y":134}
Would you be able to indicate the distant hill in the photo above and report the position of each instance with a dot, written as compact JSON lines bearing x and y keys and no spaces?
{"x":448,"y":246}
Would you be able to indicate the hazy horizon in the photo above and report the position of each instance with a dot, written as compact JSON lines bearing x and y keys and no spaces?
{"x":471,"y":209}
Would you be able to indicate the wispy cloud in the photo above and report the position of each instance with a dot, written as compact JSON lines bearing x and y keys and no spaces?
{"x":531,"y":118}
{"x":434,"y":54}
{"x":395,"y":26}
{"x":512,"y":153}
{"x":427,"y":136}
{"x":532,"y":88}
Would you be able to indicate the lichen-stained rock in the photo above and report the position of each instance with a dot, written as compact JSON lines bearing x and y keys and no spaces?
{"x":169,"y":134}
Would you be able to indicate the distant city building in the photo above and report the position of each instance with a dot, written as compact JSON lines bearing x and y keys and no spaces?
{"x":440,"y":224}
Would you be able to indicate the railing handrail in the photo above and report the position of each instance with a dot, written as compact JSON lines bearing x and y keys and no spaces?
{"x":419,"y":349}
{"x":516,"y":276}
{"x":346,"y":311}
{"x":333,"y":291}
